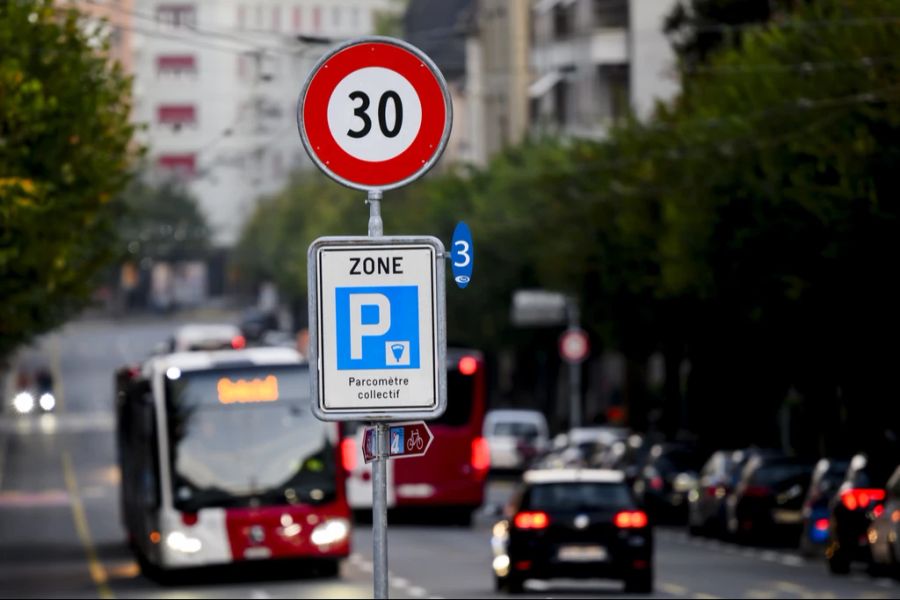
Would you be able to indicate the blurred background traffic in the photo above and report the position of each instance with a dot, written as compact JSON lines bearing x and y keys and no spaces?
{"x":704,"y":184}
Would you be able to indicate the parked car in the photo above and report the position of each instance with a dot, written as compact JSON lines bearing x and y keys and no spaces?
{"x":884,"y":533}
{"x":515,"y":437}
{"x":826,"y":479}
{"x":767,"y":504}
{"x":204,"y":337}
{"x":668,"y":474}
{"x":854,"y":508}
{"x":569,"y":523}
{"x":625,"y":455}
{"x":255,"y":323}
{"x":706,"y":502}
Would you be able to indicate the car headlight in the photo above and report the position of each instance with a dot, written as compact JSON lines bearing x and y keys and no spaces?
{"x":23,"y":403}
{"x":330,"y":532}
{"x":684,"y":482}
{"x":179,"y":542}
{"x":47,"y":402}
{"x":501,"y":565}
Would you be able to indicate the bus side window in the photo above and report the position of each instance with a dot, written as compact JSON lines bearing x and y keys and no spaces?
{"x":149,"y":453}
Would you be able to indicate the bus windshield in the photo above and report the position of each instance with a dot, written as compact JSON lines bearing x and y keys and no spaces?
{"x":247,"y":437}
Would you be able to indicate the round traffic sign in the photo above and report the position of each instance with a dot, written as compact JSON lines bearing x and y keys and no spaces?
{"x":375,"y":113}
{"x":574,"y":345}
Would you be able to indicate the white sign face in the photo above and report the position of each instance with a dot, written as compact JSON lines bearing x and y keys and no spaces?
{"x":377,"y":333}
{"x":374,"y":114}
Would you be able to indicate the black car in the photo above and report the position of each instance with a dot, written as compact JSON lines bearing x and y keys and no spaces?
{"x":573,"y":523}
{"x":669,"y":473}
{"x":706,"y":502}
{"x":854,"y":508}
{"x":826,"y":479}
{"x":767,"y":504}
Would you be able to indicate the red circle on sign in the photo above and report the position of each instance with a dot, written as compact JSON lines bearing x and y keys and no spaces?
{"x":415,"y":159}
{"x":574,"y":345}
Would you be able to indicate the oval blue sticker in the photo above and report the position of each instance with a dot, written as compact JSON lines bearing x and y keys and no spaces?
{"x":462,"y":255}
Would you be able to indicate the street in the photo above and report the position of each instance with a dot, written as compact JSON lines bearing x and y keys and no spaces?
{"x":61,"y":532}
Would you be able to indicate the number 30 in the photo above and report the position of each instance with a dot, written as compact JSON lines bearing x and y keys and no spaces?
{"x":360,"y":111}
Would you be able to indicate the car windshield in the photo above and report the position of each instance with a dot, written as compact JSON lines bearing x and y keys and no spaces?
{"x":245,"y":437}
{"x":516,"y":429}
{"x":577,"y":496}
{"x":771,"y":474}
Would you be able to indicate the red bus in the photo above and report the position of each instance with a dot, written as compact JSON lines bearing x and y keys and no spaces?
{"x":222,"y":461}
{"x":451,"y":477}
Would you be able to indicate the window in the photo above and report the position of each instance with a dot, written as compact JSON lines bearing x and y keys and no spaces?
{"x":336,"y":17}
{"x":177,"y":15}
{"x":241,"y":17}
{"x":297,"y":19}
{"x":180,"y":164}
{"x":176,"y":64}
{"x":563,"y":20}
{"x":276,"y":18}
{"x":610,"y":13}
{"x":317,"y":19}
{"x":177,"y":115}
{"x":259,"y":16}
{"x":354,"y":18}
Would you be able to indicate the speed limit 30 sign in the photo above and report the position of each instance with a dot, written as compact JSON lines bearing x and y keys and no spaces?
{"x":375,"y":113}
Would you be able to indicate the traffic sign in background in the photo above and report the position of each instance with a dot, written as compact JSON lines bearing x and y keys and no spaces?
{"x":375,"y":113}
{"x":377,"y":330}
{"x":574,"y":345}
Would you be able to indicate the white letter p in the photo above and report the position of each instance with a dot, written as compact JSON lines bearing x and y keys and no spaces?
{"x":358,"y":330}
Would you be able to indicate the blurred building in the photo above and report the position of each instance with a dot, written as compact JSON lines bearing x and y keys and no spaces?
{"x":439,"y":29}
{"x":216,"y":83}
{"x":498,"y":75}
{"x":117,"y":19}
{"x":595,"y":60}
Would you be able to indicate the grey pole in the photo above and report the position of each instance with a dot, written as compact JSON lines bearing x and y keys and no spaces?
{"x":574,"y":369}
{"x":379,"y":466}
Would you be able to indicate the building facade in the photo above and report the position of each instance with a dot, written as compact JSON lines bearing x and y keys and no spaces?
{"x":216,"y":85}
{"x":594,"y":61}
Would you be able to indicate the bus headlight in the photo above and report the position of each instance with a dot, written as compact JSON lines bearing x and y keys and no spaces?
{"x":47,"y":402}
{"x":23,"y":403}
{"x":330,"y":532}
{"x":179,"y":542}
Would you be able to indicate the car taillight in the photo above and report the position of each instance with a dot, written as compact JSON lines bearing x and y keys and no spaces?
{"x":189,"y":519}
{"x":821,"y":525}
{"x":657,"y":483}
{"x":468,"y":365}
{"x":878,"y":510}
{"x":861,"y":498}
{"x":712,"y":491}
{"x":238,"y":342}
{"x":756,"y":491}
{"x":348,"y":454}
{"x":631,"y":519}
{"x":481,"y":454}
{"x":531,"y":520}
{"x":895,"y":516}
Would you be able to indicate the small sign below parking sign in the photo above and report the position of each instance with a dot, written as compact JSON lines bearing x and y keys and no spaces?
{"x":378,"y":339}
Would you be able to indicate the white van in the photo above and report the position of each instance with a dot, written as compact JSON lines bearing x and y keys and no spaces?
{"x":515,"y":437}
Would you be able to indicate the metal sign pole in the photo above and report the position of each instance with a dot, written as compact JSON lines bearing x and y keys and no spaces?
{"x":379,"y":467}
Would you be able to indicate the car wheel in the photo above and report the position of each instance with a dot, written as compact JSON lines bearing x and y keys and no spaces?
{"x":641,"y":583}
{"x":838,"y":563}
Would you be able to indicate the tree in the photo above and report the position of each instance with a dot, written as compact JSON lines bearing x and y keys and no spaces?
{"x":162,"y":222}
{"x":64,"y":153}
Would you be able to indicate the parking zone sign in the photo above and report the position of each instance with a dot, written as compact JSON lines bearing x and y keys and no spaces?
{"x":378,"y":337}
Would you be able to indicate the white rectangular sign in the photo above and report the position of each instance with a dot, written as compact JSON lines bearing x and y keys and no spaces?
{"x":377,"y":328}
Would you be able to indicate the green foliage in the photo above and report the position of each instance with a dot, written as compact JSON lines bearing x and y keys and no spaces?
{"x":162,"y":222}
{"x":64,"y":151}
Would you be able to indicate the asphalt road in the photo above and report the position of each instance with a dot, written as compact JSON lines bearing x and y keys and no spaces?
{"x":60,"y":534}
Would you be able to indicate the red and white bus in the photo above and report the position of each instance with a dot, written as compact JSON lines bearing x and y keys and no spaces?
{"x":223,"y":461}
{"x":451,"y":477}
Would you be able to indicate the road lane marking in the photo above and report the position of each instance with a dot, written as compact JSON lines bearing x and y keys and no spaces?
{"x":95,"y":567}
{"x":399,"y":582}
{"x":258,"y":594}
{"x":674,"y":589}
{"x":792,"y":588}
{"x":418,"y":592}
{"x":789,"y":560}
{"x":702,"y":596}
